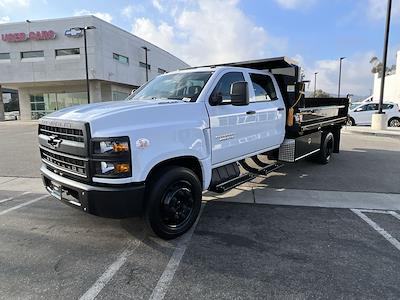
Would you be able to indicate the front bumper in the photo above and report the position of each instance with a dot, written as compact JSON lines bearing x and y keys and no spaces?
{"x":119,"y":201}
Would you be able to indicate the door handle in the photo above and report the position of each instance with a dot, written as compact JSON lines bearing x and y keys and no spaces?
{"x":281,"y":109}
{"x":251,"y":112}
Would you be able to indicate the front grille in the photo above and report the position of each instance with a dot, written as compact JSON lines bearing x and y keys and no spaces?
{"x":70,"y":134}
{"x":67,"y":163}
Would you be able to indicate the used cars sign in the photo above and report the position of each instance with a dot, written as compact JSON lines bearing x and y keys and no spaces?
{"x":33,"y":35}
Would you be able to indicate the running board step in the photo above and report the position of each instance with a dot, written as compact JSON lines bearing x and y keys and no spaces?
{"x":270,"y":168}
{"x":230,"y":184}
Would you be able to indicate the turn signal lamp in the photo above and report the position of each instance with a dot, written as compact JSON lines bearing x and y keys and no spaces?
{"x":121,"y":168}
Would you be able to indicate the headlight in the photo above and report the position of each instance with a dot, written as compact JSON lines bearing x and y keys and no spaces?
{"x":112,"y":146}
{"x":111,"y":157}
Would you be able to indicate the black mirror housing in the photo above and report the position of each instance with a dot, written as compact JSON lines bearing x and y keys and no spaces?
{"x":239,"y":93}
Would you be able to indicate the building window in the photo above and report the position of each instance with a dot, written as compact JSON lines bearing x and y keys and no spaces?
{"x":143,"y":65}
{"x":64,"y":52}
{"x":121,"y":58}
{"x":44,"y":104}
{"x":32,"y":54}
{"x":161,"y":71}
{"x":117,"y":96}
{"x":4,"y":56}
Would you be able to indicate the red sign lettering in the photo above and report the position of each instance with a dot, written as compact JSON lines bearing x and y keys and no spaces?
{"x":33,"y":35}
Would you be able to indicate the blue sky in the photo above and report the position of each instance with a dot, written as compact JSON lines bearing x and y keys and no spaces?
{"x":315,"y":32}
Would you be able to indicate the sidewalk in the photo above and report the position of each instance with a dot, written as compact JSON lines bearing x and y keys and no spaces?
{"x":393,"y":132}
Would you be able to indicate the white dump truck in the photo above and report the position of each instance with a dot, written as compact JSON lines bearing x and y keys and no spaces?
{"x":183,"y":133}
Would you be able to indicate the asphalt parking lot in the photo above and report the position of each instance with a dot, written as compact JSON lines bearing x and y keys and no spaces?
{"x":307,"y":231}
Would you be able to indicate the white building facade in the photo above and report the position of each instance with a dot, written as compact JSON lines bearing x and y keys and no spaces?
{"x":392,"y":85}
{"x":45,"y":62}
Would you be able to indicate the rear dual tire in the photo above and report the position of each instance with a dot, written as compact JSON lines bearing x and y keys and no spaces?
{"x":173,"y":202}
{"x":326,"y":149}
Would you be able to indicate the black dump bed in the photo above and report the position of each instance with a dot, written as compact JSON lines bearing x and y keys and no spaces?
{"x":304,"y":114}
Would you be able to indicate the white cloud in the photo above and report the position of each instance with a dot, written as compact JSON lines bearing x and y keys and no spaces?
{"x":104,"y":16}
{"x":157,"y":5}
{"x":376,"y":9}
{"x":357,"y":78}
{"x":9,"y":4}
{"x":5,"y":19}
{"x":199,"y":35}
{"x":130,"y":10}
{"x":294,"y":4}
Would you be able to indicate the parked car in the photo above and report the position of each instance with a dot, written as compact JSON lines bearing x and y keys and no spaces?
{"x":361,"y":113}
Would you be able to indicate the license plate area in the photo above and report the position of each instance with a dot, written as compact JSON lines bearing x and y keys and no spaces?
{"x":56,"y":190}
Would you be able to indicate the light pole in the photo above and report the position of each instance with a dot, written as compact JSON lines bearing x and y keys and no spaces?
{"x":315,"y":84}
{"x":340,"y":74}
{"x":147,"y":66}
{"x":84,"y":29}
{"x":385,"y":51}
{"x":379,"y":120}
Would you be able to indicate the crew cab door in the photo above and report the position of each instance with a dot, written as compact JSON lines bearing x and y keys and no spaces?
{"x":270,"y":107}
{"x":237,"y":131}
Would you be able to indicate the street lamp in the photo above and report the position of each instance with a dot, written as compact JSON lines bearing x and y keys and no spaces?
{"x":379,"y":119}
{"x":84,"y":29}
{"x":340,"y":74}
{"x":315,"y":84}
{"x":385,"y":51}
{"x":147,"y":66}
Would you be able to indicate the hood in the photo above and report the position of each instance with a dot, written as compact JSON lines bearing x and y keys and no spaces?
{"x":93,"y":111}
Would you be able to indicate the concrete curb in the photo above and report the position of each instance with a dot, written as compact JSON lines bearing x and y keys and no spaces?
{"x":394,"y":135}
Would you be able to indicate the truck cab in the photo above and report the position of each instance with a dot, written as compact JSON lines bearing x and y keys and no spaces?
{"x":180,"y":134}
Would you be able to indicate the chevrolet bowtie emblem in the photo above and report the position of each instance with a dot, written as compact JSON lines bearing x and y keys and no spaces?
{"x":54,"y":142}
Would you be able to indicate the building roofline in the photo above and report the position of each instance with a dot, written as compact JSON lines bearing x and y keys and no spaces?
{"x":97,"y":18}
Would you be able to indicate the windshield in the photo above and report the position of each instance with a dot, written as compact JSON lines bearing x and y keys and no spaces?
{"x":354,"y":105}
{"x":181,"y":86}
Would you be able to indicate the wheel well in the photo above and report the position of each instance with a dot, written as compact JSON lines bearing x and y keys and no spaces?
{"x":394,"y":118}
{"x":189,"y":162}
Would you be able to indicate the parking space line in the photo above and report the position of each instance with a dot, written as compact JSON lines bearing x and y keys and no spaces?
{"x":22,"y":205}
{"x":395,"y":214}
{"x":14,"y":197}
{"x":166,"y":278}
{"x":379,"y":229}
{"x":100,"y":283}
{"x":373,"y":211}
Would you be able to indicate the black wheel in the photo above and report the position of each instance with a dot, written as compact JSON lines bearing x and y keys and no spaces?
{"x":326,"y":150}
{"x":350,"y":122}
{"x":173,"y":202}
{"x":394,"y":122}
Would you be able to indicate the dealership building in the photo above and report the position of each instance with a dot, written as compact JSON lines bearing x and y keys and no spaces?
{"x":45,"y":62}
{"x":392,"y":84}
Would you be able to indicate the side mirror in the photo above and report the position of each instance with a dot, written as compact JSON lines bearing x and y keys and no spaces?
{"x":239,"y":93}
{"x":359,"y":109}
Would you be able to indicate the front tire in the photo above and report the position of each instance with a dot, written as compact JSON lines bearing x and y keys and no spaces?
{"x":350,"y":122}
{"x":173,"y":202}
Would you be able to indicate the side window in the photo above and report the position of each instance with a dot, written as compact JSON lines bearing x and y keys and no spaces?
{"x":372,"y":107}
{"x":264,"y":89}
{"x":387,"y":106}
{"x":221,"y":93}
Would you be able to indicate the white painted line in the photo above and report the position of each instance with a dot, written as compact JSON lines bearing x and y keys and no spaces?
{"x":12,"y":198}
{"x":100,"y":283}
{"x":373,"y":211}
{"x":395,"y":214}
{"x":379,"y":229}
{"x":166,"y":278}
{"x":22,"y":205}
